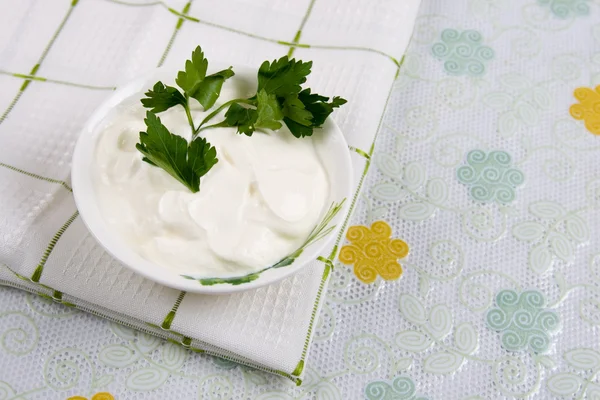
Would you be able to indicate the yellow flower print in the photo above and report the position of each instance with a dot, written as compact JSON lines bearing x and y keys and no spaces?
{"x":373,"y":252}
{"x":588,"y":108}
{"x":97,"y":396}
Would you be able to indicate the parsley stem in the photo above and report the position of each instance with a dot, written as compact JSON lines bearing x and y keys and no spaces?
{"x":218,"y":110}
{"x":218,"y":125}
{"x":189,"y":115}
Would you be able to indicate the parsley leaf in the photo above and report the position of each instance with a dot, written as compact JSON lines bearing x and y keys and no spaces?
{"x":195,"y":71}
{"x":296,"y":117}
{"x":195,"y":83}
{"x":186,"y":163}
{"x":315,"y":109}
{"x":318,"y":105}
{"x":209,"y":90}
{"x":160,"y":98}
{"x":266,"y":115}
{"x":269,"y":111}
{"x":283,"y":77}
{"x":241,"y":117}
{"x":297,"y":129}
{"x":294,"y":109}
{"x":201,"y":157}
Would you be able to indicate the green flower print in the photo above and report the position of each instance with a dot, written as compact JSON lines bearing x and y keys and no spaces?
{"x":401,"y":388}
{"x":462,"y":53}
{"x":490,"y":177}
{"x":567,"y":8}
{"x":522,"y":320}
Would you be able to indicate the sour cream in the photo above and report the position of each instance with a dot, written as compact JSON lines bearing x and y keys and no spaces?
{"x":257,"y":205}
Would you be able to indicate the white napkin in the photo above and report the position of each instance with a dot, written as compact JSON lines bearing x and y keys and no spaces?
{"x":59,"y":59}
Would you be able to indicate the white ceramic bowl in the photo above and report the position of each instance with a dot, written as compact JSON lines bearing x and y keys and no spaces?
{"x":331,"y":148}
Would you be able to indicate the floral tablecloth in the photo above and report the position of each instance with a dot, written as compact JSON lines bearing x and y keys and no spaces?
{"x":471,"y":268}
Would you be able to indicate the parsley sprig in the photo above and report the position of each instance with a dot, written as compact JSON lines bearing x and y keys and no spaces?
{"x":279,"y":99}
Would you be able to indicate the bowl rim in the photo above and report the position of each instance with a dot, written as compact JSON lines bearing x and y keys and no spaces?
{"x":84,"y":195}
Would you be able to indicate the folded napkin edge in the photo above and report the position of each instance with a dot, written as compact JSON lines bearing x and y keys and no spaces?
{"x":173,"y":337}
